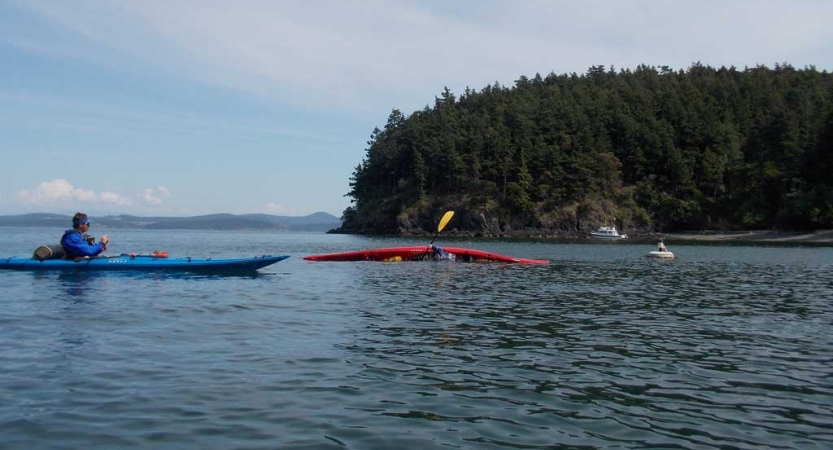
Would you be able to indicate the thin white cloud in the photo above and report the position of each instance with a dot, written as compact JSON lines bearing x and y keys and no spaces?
{"x":401,"y":53}
{"x":61,"y":193}
{"x":50,"y":192}
{"x":274,"y":208}
{"x":84,"y":195}
{"x":115,"y":199}
{"x":153,"y":196}
{"x":86,"y":116}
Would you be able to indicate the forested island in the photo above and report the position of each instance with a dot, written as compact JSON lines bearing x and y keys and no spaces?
{"x":649,"y":150}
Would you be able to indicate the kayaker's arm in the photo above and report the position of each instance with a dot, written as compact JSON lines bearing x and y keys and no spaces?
{"x":75,"y":245}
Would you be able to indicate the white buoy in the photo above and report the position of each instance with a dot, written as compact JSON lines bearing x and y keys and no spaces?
{"x":661,"y":252}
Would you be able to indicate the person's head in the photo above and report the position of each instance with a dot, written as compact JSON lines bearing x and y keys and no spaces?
{"x":80,"y":222}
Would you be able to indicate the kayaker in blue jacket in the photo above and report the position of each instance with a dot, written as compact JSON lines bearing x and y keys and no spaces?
{"x":439,"y":253}
{"x":75,"y":241}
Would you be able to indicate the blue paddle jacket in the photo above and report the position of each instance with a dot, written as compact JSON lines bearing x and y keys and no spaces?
{"x":75,"y":245}
{"x":439,"y":253}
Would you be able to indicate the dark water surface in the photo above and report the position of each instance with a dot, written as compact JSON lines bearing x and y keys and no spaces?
{"x":728,"y":347}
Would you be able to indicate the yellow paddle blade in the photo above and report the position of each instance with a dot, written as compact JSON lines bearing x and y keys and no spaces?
{"x":446,"y":218}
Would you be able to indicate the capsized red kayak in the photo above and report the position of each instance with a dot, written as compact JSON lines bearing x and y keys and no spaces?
{"x":422,"y":253}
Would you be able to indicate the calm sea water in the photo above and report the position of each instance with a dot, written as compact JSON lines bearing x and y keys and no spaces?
{"x":726,"y":346}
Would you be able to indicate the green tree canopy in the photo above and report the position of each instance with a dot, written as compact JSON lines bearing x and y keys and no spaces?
{"x":696,"y":148}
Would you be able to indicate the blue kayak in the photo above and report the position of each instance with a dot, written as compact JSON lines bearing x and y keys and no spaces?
{"x":143,"y":262}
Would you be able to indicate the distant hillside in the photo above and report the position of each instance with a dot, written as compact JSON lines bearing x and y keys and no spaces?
{"x":319,"y":221}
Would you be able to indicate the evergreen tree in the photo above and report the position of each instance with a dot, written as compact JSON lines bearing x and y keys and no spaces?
{"x":701,"y":147}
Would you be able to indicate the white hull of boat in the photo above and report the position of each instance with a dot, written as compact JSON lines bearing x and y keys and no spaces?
{"x":661,"y":255}
{"x":609,"y":233}
{"x":593,"y":234}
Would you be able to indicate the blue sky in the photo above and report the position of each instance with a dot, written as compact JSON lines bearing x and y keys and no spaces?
{"x":187,"y":107}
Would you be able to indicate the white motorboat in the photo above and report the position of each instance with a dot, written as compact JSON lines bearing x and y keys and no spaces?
{"x":607,"y":233}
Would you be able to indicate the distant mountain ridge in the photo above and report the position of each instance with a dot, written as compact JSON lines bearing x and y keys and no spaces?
{"x":319,"y":221}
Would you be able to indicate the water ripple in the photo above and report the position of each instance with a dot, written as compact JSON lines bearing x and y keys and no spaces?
{"x":593,"y":351}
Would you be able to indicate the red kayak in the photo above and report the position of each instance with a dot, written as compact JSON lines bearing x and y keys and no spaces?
{"x":423,"y":253}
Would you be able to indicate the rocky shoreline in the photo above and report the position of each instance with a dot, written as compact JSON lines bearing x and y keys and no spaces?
{"x":760,"y":236}
{"x":796,"y":237}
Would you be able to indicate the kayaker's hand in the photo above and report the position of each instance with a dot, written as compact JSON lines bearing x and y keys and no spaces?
{"x":105,"y":240}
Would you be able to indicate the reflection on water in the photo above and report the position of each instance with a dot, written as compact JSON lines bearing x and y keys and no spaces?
{"x":598,"y":356}
{"x":78,"y":283}
{"x":604,"y":348}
